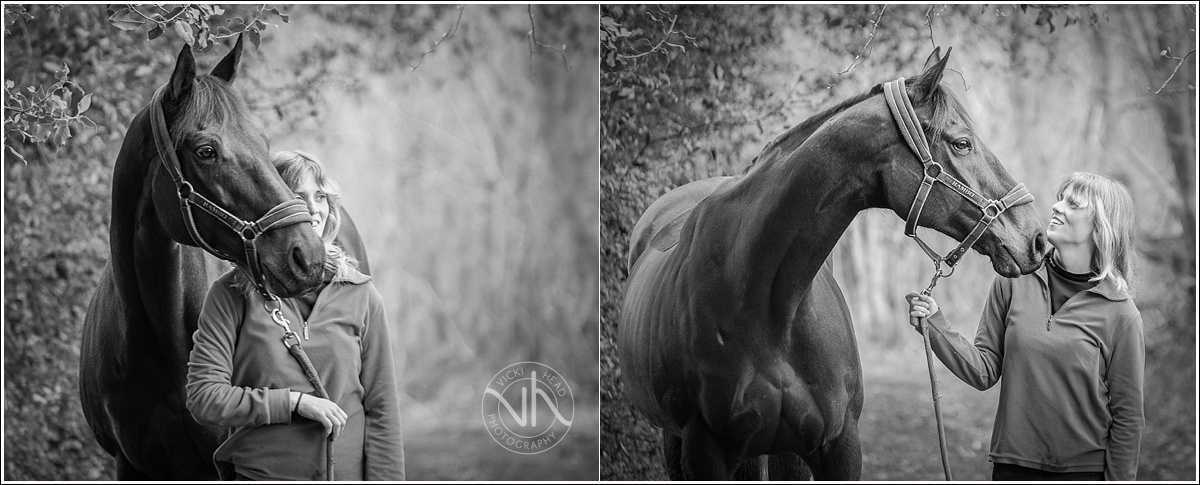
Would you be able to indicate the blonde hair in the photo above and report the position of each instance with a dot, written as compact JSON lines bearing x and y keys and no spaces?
{"x":1114,"y":230}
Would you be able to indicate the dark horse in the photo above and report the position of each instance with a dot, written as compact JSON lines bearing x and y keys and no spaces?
{"x":734,"y":336}
{"x":138,"y":331}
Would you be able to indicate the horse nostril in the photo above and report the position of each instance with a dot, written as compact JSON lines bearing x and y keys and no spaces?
{"x":1040,"y":245}
{"x":298,"y":259}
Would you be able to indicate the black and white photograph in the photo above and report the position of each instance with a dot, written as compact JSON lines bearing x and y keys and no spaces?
{"x":592,"y":242}
{"x":898,"y":242}
{"x":301,"y":242}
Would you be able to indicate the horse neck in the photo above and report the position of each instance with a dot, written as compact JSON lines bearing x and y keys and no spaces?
{"x":149,"y":268}
{"x":774,"y":229}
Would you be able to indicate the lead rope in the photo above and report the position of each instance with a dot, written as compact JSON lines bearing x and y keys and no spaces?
{"x":309,"y":372}
{"x":933,"y":382}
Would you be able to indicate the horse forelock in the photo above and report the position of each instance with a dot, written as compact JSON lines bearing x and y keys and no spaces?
{"x":800,"y":133}
{"x":213,"y":105}
{"x":946,"y":109}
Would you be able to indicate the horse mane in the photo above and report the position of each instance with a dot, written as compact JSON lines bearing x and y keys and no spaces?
{"x":212,"y":105}
{"x":945,"y":107}
{"x":798,"y":134}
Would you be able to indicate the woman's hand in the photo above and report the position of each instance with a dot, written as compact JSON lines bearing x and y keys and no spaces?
{"x":323,"y":411}
{"x":919,"y":306}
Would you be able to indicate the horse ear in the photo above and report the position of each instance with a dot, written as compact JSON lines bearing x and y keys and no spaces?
{"x":183,"y":78}
{"x":934,"y":57}
{"x":932,"y":75}
{"x":227,"y":68}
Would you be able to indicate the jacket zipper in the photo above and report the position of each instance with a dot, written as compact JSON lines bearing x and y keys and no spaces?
{"x":1050,"y":305}
{"x":304,"y":323}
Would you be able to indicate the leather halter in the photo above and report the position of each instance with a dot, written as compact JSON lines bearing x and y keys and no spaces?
{"x":291,"y":211}
{"x":910,"y":126}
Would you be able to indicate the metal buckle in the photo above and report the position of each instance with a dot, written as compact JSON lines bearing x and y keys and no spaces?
{"x":248,"y":228}
{"x":291,"y":335}
{"x":994,"y":206}
{"x":933,"y":165}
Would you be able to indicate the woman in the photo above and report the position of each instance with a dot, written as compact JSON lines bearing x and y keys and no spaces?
{"x":240,"y":374}
{"x":1068,"y":340}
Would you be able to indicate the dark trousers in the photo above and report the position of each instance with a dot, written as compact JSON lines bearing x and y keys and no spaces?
{"x":1007,"y":473}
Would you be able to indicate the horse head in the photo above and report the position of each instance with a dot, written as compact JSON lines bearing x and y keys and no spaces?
{"x":1015,"y":241}
{"x":223,"y":154}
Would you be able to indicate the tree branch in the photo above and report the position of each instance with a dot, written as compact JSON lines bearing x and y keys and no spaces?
{"x":1177,"y":66}
{"x":929,"y":22}
{"x":864,"y":52}
{"x":670,"y":30}
{"x":533,"y":42}
{"x":449,"y":33}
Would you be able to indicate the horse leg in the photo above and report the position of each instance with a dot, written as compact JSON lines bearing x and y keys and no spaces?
{"x":752,"y":470}
{"x":703,"y":456}
{"x":672,"y":455}
{"x":842,"y":458}
{"x":126,"y":472}
{"x":788,"y":467}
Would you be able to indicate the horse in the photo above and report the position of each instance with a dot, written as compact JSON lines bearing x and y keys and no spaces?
{"x":137,"y":333}
{"x":734,"y":337}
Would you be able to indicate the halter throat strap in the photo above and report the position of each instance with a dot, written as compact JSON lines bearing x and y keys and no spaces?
{"x":288,"y":212}
{"x":910,"y":128}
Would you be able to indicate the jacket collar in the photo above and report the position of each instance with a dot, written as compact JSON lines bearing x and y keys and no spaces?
{"x":1105,"y":288}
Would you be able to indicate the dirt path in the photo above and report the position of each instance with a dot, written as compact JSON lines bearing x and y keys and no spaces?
{"x":456,"y":446}
{"x":898,"y":429}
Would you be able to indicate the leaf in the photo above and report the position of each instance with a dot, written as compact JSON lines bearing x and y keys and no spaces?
{"x":254,"y":37}
{"x":185,"y":32}
{"x":61,"y":135}
{"x":154,"y":33}
{"x":276,"y":12}
{"x":125,"y":19}
{"x":40,"y":132}
{"x":14,"y":152}
{"x":84,"y":103}
{"x":236,"y":24}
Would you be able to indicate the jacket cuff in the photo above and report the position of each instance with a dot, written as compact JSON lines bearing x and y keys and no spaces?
{"x":938,"y":322}
{"x":278,"y":406}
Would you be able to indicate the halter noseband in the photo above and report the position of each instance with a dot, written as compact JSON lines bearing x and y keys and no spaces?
{"x":910,"y":127}
{"x":291,"y":211}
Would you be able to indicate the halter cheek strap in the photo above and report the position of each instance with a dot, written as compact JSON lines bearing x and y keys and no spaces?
{"x":288,"y":212}
{"x":910,"y":127}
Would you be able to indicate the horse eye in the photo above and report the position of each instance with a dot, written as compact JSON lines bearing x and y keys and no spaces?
{"x":962,"y":144}
{"x":206,"y":152}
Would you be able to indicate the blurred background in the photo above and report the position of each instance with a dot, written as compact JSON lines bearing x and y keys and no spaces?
{"x":465,"y":142}
{"x":690,"y":92}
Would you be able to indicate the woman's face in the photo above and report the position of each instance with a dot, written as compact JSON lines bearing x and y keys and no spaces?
{"x":1071,"y":222}
{"x":317,"y":201}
